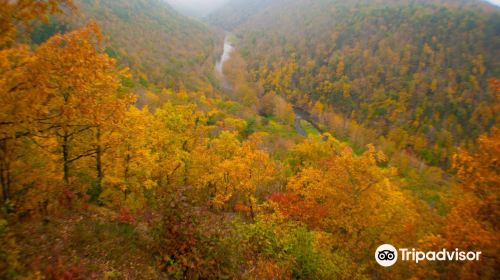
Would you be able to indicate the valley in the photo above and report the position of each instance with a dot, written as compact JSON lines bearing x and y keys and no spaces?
{"x":263,"y":139}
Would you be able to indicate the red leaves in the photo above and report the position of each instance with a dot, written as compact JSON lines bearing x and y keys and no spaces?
{"x":294,"y":207}
{"x":241,"y":208}
{"x":64,"y":271}
{"x":126,"y":216}
{"x":66,"y":198}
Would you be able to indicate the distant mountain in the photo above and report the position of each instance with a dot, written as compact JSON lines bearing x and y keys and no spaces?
{"x":237,"y":12}
{"x":152,"y":38}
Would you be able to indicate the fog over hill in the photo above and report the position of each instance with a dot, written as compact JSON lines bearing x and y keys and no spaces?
{"x":197,"y":8}
{"x":495,"y":2}
{"x":203,"y":8}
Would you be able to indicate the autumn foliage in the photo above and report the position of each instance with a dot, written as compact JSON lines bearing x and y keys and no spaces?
{"x":106,"y":174}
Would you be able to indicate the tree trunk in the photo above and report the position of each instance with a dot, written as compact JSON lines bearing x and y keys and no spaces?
{"x":4,"y":171}
{"x":98,"y":156}
{"x":65,"y":151}
{"x":252,"y":213}
{"x":128,"y":158}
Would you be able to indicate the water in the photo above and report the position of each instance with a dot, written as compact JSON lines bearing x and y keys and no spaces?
{"x":228,"y":49}
{"x":301,"y":114}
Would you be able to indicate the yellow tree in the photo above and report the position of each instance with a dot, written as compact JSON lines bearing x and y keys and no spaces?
{"x":109,"y":112}
{"x":348,"y":196}
{"x":313,"y":150}
{"x":80,"y":83}
{"x":16,"y":114}
{"x":131,"y":162}
{"x":473,"y":222}
{"x":22,"y":12}
{"x":22,"y":107}
{"x":232,"y":171}
{"x":175,"y":131}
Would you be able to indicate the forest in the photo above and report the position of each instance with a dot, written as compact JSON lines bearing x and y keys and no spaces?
{"x":332,"y":128}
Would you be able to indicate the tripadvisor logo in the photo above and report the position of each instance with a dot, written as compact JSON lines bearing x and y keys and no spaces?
{"x":387,"y":255}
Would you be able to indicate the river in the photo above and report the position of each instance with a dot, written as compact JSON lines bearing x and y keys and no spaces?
{"x":219,"y":66}
{"x":300,"y":114}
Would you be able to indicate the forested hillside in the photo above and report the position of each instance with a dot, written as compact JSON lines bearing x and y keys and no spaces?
{"x":150,"y":37}
{"x":329,"y":128}
{"x":415,"y":72}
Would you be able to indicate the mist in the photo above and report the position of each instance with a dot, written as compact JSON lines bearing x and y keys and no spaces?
{"x":494,"y":2}
{"x":197,"y":8}
{"x":202,"y":8}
